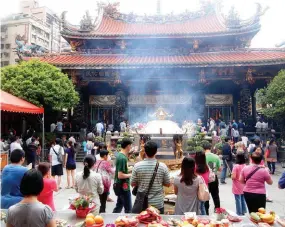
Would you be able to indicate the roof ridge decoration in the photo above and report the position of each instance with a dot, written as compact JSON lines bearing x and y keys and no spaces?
{"x":233,"y":21}
{"x":111,"y":11}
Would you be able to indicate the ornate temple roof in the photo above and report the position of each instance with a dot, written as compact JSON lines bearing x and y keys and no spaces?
{"x":247,"y":57}
{"x":208,"y":21}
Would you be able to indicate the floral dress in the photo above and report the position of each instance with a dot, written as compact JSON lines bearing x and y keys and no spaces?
{"x":105,"y":169}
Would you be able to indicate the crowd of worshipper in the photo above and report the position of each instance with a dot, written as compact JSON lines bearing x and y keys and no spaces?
{"x":28,"y":185}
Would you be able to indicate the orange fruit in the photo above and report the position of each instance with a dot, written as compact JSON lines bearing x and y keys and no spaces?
{"x":98,"y":219}
{"x":90,"y":215}
{"x":89,"y":221}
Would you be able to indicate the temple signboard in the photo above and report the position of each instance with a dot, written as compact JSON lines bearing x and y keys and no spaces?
{"x":159,"y":99}
{"x":218,"y":100}
{"x":102,"y":100}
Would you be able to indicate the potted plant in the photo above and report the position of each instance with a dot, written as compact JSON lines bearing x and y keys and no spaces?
{"x":82,"y":206}
{"x":220,"y":213}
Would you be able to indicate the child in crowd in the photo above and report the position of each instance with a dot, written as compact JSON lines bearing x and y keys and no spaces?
{"x":31,"y":212}
{"x":50,"y":186}
{"x":237,"y":187}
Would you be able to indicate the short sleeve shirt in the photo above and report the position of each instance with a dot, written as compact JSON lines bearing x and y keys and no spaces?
{"x":10,"y":186}
{"x":57,"y":149}
{"x":122,"y":166}
{"x":29,"y":215}
{"x":213,"y":161}
{"x":70,"y":157}
{"x":256,"y":184}
{"x":237,"y":187}
{"x":141,"y":176}
{"x":46,"y":196}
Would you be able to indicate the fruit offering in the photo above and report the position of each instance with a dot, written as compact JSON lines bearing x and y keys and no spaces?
{"x":195,"y":221}
{"x":262,"y":216}
{"x":60,"y":223}
{"x":234,"y":218}
{"x":149,"y":216}
{"x":158,"y":224}
{"x":94,"y":221}
{"x":174,"y":222}
{"x":124,"y":221}
{"x":189,"y":216}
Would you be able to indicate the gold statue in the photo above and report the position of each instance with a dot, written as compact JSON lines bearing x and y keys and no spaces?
{"x":179,"y":151}
{"x":142,"y":150}
{"x":161,"y":114}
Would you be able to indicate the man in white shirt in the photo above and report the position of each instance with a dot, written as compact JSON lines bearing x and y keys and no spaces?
{"x":56,"y":166}
{"x":16,"y":144}
{"x":52,"y":127}
{"x":99,"y":128}
{"x":264,"y":126}
{"x":123,"y":126}
{"x":258,"y":126}
{"x":212,"y":125}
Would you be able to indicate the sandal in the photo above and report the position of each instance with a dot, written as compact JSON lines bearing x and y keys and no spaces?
{"x":67,"y":187}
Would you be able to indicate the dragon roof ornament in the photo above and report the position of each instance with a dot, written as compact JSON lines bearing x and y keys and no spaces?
{"x":233,"y":21}
{"x":111,"y":10}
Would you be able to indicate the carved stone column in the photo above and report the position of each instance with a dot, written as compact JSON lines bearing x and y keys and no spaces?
{"x":79,"y":113}
{"x":245,"y":103}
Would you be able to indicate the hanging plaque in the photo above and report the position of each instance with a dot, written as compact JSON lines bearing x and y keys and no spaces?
{"x":218,"y":100}
{"x":159,"y":99}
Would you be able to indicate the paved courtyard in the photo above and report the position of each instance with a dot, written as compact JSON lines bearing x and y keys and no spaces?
{"x":227,"y":198}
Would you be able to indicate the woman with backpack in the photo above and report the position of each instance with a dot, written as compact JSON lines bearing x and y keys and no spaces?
{"x":70,"y":164}
{"x":56,"y":153}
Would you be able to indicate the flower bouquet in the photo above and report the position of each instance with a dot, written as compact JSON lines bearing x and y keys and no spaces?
{"x":82,"y":206}
{"x":220,"y":213}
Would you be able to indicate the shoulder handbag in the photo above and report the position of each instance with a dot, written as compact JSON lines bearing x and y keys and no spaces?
{"x":58,"y":155}
{"x":141,"y":202}
{"x":251,"y":174}
{"x":203,"y":192}
{"x":212,"y":175}
{"x":98,"y":166}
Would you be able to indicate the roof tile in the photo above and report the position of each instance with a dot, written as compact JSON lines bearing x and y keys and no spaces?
{"x":193,"y":60}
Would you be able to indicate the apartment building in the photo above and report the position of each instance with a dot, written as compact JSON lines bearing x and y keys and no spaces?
{"x":33,"y":27}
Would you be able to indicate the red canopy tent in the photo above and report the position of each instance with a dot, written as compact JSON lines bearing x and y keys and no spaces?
{"x":12,"y":103}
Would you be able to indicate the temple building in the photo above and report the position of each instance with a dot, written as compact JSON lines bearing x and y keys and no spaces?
{"x":195,"y":64}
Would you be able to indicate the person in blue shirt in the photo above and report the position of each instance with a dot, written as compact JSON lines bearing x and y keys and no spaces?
{"x":227,"y":159}
{"x":12,"y":175}
{"x":281,"y":182}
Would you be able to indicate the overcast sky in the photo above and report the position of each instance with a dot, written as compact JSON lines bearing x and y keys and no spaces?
{"x":273,"y":22}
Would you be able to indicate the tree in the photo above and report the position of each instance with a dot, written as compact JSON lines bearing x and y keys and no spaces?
{"x":273,"y":99}
{"x":39,"y":83}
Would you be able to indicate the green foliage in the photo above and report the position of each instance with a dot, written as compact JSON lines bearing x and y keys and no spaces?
{"x":273,"y":97}
{"x":99,"y":139}
{"x":49,"y":138}
{"x":39,"y":83}
{"x":219,"y":146}
{"x":191,"y":142}
{"x":198,"y":148}
{"x":126,"y":134}
{"x":189,"y":148}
